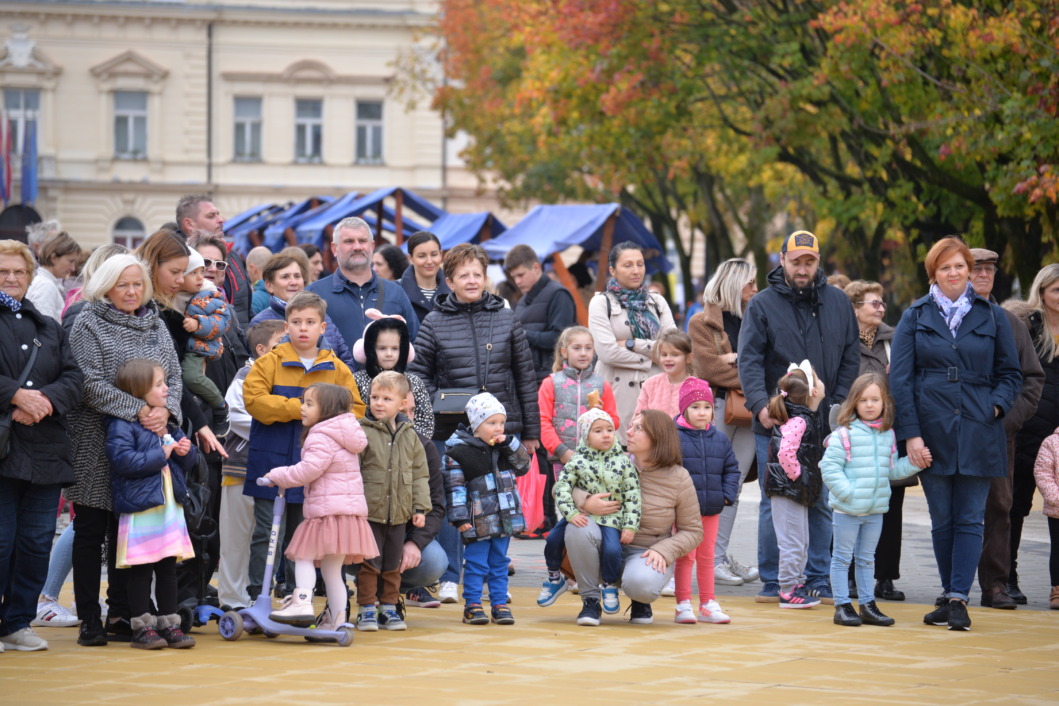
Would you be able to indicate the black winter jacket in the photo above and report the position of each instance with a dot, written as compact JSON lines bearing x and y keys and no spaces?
{"x":806,"y":489}
{"x":480,"y":345}
{"x":1045,"y":420}
{"x":545,"y":311}
{"x":40,"y":453}
{"x":136,"y":462}
{"x":783,"y":326}
{"x":422,"y":536}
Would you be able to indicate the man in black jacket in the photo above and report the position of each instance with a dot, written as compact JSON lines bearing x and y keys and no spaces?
{"x":545,"y":310}
{"x":798,"y":317}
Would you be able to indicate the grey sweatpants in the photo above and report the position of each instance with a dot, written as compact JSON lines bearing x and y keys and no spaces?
{"x":791,"y":521}
{"x":639,"y":581}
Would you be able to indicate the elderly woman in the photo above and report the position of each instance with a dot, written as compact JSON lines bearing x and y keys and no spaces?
{"x":284,"y":276}
{"x":670,"y":525}
{"x":875,"y":342}
{"x":119,"y":322}
{"x":424,"y":281}
{"x":389,"y":262}
{"x":715,"y":338}
{"x":954,"y":372}
{"x":625,"y":320}
{"x":39,"y":383}
{"x":472,"y":341}
{"x":58,"y":260}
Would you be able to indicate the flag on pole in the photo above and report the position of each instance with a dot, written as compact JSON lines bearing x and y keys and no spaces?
{"x":29,"y":163}
{"x":5,"y":158}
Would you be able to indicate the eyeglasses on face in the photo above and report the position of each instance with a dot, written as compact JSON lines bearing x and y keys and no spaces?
{"x":875,"y":304}
{"x":219,"y":265}
{"x":18,"y":274}
{"x":987,"y":267}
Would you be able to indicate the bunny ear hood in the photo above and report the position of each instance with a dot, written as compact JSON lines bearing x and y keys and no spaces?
{"x":806,"y":367}
{"x":364,"y":348}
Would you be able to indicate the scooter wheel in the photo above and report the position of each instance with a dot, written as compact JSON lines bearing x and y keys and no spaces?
{"x":347,"y":636}
{"x":269,"y":635}
{"x":187,"y":618}
{"x":230,"y":625}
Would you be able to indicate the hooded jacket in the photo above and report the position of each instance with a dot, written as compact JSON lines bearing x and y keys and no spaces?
{"x":136,"y":461}
{"x":329,"y":469}
{"x":783,"y":325}
{"x":424,"y":411}
{"x":214,"y":317}
{"x":596,"y":471}
{"x":394,"y":466}
{"x":480,"y":345}
{"x":859,"y":478}
{"x":480,"y":485}
{"x":711,"y":463}
{"x":1046,"y":473}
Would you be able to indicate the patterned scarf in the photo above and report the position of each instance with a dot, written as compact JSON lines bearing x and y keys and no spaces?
{"x":868,"y":337}
{"x":9,"y":301}
{"x":642,"y":320}
{"x":953,"y":311}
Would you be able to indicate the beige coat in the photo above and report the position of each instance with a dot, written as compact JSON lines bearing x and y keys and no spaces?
{"x":624,"y":369}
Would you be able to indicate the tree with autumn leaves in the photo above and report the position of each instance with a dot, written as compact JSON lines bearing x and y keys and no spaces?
{"x":881,"y":125}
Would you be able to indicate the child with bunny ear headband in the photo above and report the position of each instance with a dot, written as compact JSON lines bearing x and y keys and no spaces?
{"x":385,"y":345}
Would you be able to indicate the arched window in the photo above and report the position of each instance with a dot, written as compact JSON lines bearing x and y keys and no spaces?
{"x":129,"y":232}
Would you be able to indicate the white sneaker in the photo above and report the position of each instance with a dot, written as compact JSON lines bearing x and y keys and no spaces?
{"x":670,"y":589}
{"x":572,"y":586}
{"x":448,"y":592}
{"x":710,"y":612}
{"x":24,"y":640}
{"x":747,"y":573}
{"x":684,"y":614}
{"x":52,"y":615}
{"x":723,"y":575}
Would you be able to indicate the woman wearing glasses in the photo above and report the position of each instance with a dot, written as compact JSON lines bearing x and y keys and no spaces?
{"x":875,"y":338}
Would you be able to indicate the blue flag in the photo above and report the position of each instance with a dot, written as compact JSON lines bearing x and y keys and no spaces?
{"x":29,"y":163}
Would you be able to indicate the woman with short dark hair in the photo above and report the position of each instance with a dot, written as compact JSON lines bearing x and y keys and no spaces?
{"x":424,"y":281}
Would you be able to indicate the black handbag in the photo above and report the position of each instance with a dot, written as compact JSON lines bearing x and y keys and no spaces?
{"x":6,"y":420}
{"x":200,"y":522}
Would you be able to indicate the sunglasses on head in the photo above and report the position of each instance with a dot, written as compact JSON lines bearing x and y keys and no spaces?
{"x":220,"y":265}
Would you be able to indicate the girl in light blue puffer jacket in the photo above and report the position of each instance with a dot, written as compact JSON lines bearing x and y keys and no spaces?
{"x":857,"y":467}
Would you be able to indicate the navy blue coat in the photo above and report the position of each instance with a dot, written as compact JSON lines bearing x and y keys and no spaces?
{"x":945,"y":389}
{"x":136,"y":460}
{"x":711,"y":463}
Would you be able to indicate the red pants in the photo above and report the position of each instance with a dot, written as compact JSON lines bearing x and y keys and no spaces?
{"x":701,"y":555}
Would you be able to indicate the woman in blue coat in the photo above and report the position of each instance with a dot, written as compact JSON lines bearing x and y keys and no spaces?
{"x":954,"y":372}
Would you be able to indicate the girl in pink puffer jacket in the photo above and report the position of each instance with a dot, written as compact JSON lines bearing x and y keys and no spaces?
{"x":1046,"y":473}
{"x":335,"y":531}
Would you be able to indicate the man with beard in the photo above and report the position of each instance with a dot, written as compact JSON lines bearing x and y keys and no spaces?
{"x":798,"y":317}
{"x":354,"y":287}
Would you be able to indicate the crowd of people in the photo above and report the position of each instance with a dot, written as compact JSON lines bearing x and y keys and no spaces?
{"x":167,"y":394}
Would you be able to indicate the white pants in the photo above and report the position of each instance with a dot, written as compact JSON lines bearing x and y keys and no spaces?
{"x":235,"y":526}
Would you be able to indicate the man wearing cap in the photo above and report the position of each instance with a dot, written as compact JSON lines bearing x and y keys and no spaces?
{"x":995,"y":565}
{"x":797,"y":317}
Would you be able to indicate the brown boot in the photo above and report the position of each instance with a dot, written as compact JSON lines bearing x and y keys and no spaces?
{"x":144,"y":633}
{"x":1053,"y":598}
{"x":169,"y":629}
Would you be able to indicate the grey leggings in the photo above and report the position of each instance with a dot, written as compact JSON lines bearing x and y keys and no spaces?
{"x":639,"y":581}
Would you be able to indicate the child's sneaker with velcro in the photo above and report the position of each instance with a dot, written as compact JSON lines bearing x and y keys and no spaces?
{"x":474,"y":615}
{"x":551,"y":590}
{"x":611,"y":603}
{"x":798,"y":598}
{"x":684,"y":614}
{"x":388,"y":618}
{"x":710,"y":612}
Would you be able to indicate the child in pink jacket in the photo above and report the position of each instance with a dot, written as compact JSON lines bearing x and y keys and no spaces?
{"x":1046,"y":473}
{"x":335,"y":531}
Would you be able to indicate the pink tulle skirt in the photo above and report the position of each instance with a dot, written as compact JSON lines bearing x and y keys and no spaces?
{"x":348,"y":535}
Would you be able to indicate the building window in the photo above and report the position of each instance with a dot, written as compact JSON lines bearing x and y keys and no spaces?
{"x":308,"y":130}
{"x":369,"y":132}
{"x":248,"y":129}
{"x":129,"y":232}
{"x":130,"y":125}
{"x":23,"y":107}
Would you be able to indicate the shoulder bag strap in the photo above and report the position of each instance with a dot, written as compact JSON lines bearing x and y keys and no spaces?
{"x":29,"y":363}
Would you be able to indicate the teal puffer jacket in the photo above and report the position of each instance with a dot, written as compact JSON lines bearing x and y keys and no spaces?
{"x":861,"y":484}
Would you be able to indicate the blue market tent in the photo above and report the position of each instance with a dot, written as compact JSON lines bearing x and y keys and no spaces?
{"x":240,"y":234}
{"x":552,"y":229}
{"x":273,"y":235}
{"x":246,"y":215}
{"x":312,"y":229}
{"x":455,"y":228}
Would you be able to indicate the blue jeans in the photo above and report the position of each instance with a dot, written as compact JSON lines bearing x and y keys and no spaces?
{"x":553,"y":546}
{"x":432,"y":564}
{"x":27,"y":527}
{"x":818,"y":566}
{"x":854,"y":536}
{"x":957,"y":519}
{"x":61,"y":563}
{"x":485,"y":561}
{"x":450,"y":539}
{"x":611,"y":556}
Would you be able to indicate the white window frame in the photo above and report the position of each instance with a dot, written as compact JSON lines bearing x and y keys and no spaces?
{"x":374,"y":134}
{"x":247,"y":147}
{"x":132,"y":116}
{"x":20,"y":116}
{"x":304,"y":129}
{"x":129,"y":237}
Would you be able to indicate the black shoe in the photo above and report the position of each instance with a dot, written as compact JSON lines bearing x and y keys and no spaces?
{"x":220,"y":425}
{"x":1013,"y":590}
{"x":591,"y":612}
{"x":845,"y":615}
{"x":511,"y":569}
{"x":958,"y":618}
{"x":938,"y":616}
{"x":119,"y":630}
{"x":885,"y":590}
{"x":853,"y":590}
{"x":640,"y":613}
{"x":999,"y":599}
{"x":92,"y":633}
{"x":871,"y":615}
